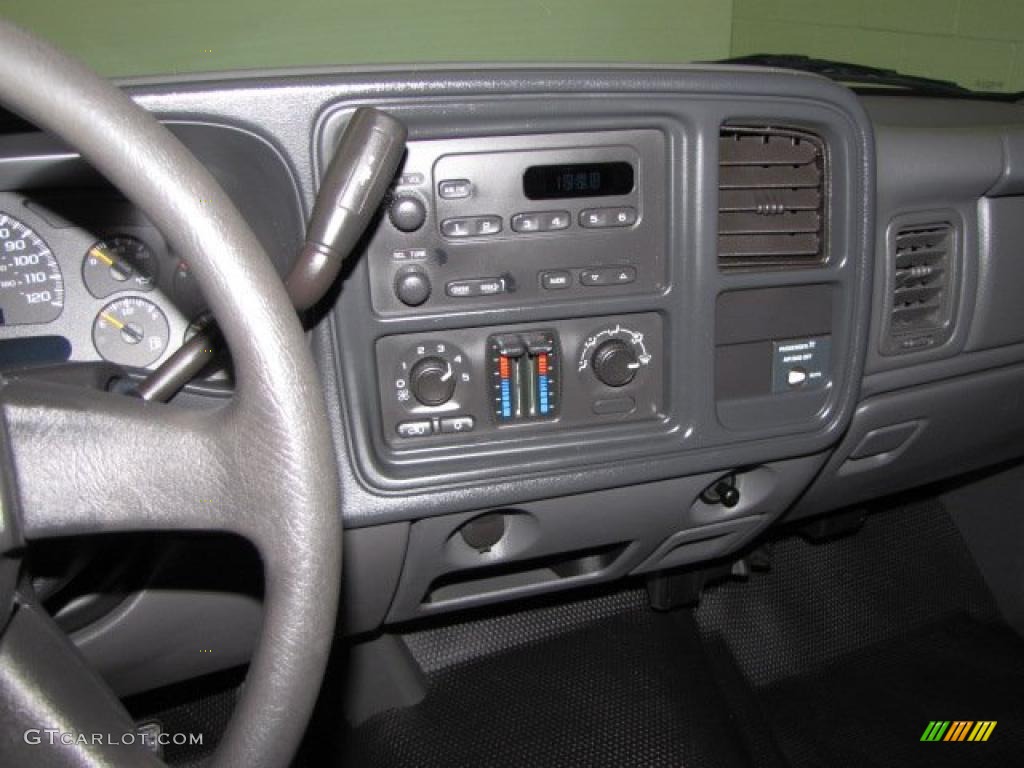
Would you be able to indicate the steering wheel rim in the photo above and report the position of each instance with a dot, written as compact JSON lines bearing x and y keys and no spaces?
{"x":261,"y":467}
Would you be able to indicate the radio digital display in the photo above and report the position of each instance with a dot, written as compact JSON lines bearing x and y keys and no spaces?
{"x":555,"y":182}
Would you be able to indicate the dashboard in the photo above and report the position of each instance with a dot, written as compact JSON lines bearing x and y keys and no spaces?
{"x":609,"y":322}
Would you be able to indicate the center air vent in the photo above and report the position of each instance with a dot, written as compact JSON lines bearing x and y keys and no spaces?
{"x":771,"y":198}
{"x":921,"y":269}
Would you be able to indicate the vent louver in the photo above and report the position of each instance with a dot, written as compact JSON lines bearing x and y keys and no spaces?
{"x":771,"y":198}
{"x":922,"y":267}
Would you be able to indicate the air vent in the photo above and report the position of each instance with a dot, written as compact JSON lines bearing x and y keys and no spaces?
{"x":771,"y":199}
{"x":922,"y":271}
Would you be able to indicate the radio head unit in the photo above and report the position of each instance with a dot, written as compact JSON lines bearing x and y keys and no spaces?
{"x":517,"y":220}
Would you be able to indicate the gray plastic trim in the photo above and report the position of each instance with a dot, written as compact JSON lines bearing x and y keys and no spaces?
{"x":930,"y":176}
{"x":158,"y":637}
{"x":999,"y":313}
{"x":370,"y":573}
{"x":629,"y":524}
{"x":962,"y":424}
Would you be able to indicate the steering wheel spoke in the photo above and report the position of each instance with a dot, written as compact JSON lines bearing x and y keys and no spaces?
{"x":90,"y":462}
{"x":49,"y":695}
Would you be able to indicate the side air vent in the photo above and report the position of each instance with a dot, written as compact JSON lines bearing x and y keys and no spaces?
{"x":922,"y":270}
{"x":771,"y":198}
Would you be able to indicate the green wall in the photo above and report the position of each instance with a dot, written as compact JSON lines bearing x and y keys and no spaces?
{"x":157,"y":36}
{"x":977,"y":42}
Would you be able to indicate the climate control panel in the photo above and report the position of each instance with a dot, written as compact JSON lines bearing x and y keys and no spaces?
{"x":479,"y":383}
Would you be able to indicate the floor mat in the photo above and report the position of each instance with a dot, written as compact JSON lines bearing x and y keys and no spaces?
{"x":840,"y":656}
{"x":633,"y":689}
{"x":906,"y":569}
{"x":850,"y":648}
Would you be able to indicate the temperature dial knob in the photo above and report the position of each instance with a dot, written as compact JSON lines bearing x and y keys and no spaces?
{"x":432,"y":381}
{"x":615,"y":363}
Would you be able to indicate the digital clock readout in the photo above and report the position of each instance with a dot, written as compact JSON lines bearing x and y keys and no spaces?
{"x":554,"y":182}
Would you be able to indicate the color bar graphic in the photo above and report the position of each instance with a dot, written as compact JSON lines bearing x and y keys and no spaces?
{"x":958,"y":730}
{"x":935,"y":730}
{"x":982,"y":730}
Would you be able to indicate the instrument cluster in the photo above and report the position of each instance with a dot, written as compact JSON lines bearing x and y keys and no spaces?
{"x":85,"y":277}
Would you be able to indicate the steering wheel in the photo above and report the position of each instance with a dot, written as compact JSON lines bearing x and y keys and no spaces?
{"x":262,"y":467}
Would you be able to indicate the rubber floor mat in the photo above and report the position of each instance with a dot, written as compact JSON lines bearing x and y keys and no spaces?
{"x":840,"y":656}
{"x":852,"y":647}
{"x":633,"y":689}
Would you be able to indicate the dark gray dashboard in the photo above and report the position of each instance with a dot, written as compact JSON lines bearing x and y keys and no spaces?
{"x":457,"y":494}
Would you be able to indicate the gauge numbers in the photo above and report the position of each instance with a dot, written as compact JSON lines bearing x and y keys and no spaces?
{"x":31,"y":283}
{"x":132,"y":332}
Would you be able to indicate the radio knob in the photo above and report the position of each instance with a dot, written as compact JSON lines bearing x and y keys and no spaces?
{"x":412,"y":287}
{"x":432,"y":381}
{"x":407,"y":213}
{"x":614,"y":363}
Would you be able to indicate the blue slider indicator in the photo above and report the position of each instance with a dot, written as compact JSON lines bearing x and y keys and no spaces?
{"x":506,"y":387}
{"x":543,"y":384}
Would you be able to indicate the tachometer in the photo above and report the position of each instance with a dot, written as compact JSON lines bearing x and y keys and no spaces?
{"x":31,"y":284}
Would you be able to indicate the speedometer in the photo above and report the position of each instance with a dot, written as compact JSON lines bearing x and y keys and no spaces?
{"x":31,"y":285}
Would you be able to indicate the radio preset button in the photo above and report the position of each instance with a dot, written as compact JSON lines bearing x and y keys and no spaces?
{"x":487,"y":225}
{"x":416,"y":428}
{"x":552,"y":221}
{"x":526,"y":222}
{"x":484,"y":286}
{"x":471,"y":226}
{"x":455,"y":189}
{"x":601,"y":218}
{"x":608,"y":276}
{"x":555,"y":280}
{"x":541,"y":221}
{"x":457,"y":227}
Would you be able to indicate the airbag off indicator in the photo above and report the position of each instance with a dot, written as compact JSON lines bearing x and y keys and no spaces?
{"x":801,"y":363}
{"x":525,"y":376}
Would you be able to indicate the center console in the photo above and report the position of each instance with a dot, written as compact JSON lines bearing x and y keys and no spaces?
{"x":506,"y":223}
{"x":634,"y":281}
